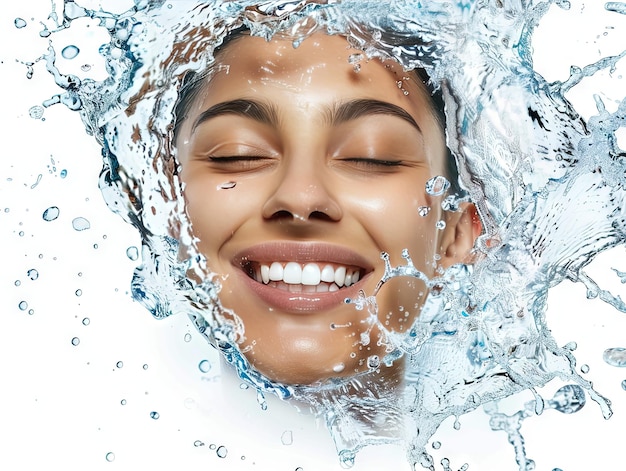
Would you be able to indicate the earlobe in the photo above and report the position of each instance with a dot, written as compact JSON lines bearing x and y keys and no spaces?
{"x":462,"y":229}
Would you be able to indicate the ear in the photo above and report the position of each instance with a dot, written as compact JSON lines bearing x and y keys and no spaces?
{"x":462,"y":229}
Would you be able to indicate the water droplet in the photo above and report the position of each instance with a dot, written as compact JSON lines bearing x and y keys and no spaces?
{"x":75,"y":341}
{"x":354,"y":58}
{"x":80,"y":224}
{"x":123,"y":402}
{"x":21,"y":233}
{"x":23,"y":305}
{"x":287,"y":437}
{"x":198,"y":443}
{"x":568,"y":399}
{"x":95,"y":246}
{"x":63,"y":173}
{"x":85,"y":67}
{"x":299,"y":469}
{"x":227,"y":186}
{"x":221,"y":452}
{"x":132,"y":253}
{"x":18,"y":282}
{"x":423,"y":211}
{"x":243,"y":386}
{"x":437,"y":186}
{"x":212,"y":446}
{"x":36,"y":112}
{"x":615,"y":356}
{"x":187,"y":337}
{"x":357,"y":68}
{"x":31,"y":312}
{"x":204,"y":366}
{"x":70,"y":52}
{"x":32,"y":274}
{"x":624,"y":385}
{"x":571,"y":346}
{"x":457,"y":424}
{"x":338,"y":368}
{"x":51,"y":213}
{"x":78,"y":292}
{"x":584,"y":369}
{"x":441,"y":225}
{"x":119,"y":364}
{"x":436,"y":445}
{"x":19,"y":23}
{"x":373,"y":362}
{"x":145,"y":366}
{"x":86,"y":321}
{"x":154,"y":415}
{"x":110,"y":457}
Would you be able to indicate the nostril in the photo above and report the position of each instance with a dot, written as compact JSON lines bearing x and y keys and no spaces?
{"x":320,"y":215}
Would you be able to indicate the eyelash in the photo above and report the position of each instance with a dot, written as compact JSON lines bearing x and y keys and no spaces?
{"x":374,"y":162}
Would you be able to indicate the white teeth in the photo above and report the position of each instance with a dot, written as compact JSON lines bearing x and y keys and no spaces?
{"x":265,"y":274}
{"x":292,"y":274}
{"x":311,"y":274}
{"x":340,"y":276}
{"x":309,"y":278}
{"x":328,"y":274}
{"x":276,"y":272}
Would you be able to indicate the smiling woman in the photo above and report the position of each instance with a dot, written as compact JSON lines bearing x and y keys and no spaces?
{"x":306,"y":161}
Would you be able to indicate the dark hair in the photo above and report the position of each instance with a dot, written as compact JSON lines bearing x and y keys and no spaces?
{"x":194,"y":81}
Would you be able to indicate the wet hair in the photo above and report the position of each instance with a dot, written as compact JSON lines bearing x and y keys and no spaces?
{"x":194,"y":81}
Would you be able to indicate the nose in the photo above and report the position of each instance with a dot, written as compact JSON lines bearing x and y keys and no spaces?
{"x":302,"y":196}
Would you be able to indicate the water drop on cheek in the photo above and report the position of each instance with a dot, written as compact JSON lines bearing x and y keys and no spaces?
{"x":227,"y":186}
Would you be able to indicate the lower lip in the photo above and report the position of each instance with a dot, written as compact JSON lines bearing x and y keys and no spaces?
{"x":299,"y":302}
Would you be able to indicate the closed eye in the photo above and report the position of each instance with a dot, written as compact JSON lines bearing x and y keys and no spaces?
{"x":240,"y":163}
{"x":367,"y":162}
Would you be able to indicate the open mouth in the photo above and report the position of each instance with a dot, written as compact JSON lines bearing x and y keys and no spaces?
{"x":311,"y":277}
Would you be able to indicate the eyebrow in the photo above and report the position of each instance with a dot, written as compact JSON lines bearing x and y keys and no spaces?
{"x":340,"y":113}
{"x":354,"y":109}
{"x":258,"y":111}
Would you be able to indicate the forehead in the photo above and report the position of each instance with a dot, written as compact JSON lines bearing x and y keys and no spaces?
{"x":322,"y":61}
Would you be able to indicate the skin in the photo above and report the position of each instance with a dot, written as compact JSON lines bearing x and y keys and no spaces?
{"x":303,"y":177}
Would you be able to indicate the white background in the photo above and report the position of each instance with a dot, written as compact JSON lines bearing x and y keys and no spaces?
{"x":60,"y":404}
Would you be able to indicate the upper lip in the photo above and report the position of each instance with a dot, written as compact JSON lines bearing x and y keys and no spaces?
{"x":291,"y":251}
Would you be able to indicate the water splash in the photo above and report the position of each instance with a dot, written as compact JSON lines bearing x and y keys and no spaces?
{"x":549,"y":188}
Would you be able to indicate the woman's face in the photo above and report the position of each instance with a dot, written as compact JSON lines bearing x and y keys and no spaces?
{"x":298,"y":172}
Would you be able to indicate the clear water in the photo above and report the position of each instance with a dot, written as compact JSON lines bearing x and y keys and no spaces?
{"x":549,"y":187}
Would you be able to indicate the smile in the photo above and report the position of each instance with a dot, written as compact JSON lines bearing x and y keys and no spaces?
{"x":304,"y":278}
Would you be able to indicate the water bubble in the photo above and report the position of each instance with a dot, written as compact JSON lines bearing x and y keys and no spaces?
{"x":132,"y":253}
{"x":80,"y":224}
{"x":287,"y":437}
{"x":63,"y":173}
{"x":123,"y":402}
{"x":36,"y":112}
{"x":75,"y":341}
{"x":243,"y":386}
{"x":441,"y":225}
{"x":70,"y":52}
{"x":32,"y":274}
{"x":615,"y":356}
{"x":110,"y":457}
{"x":437,"y":186}
{"x":21,"y":233}
{"x":423,"y":211}
{"x":86,"y":321}
{"x":204,"y":366}
{"x":221,"y":452}
{"x":154,"y":415}
{"x":19,"y":23}
{"x":212,"y":446}
{"x":119,"y":364}
{"x":31,"y":312}
{"x":187,"y":337}
{"x":198,"y":443}
{"x":78,"y":292}
{"x":584,"y":369}
{"x":17,"y":282}
{"x":373,"y":362}
{"x":145,"y":366}
{"x":299,"y":469}
{"x":23,"y":305}
{"x":85,"y":67}
{"x":227,"y":186}
{"x":624,"y":385}
{"x":436,"y":445}
{"x":568,"y":399}
{"x":51,"y":213}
